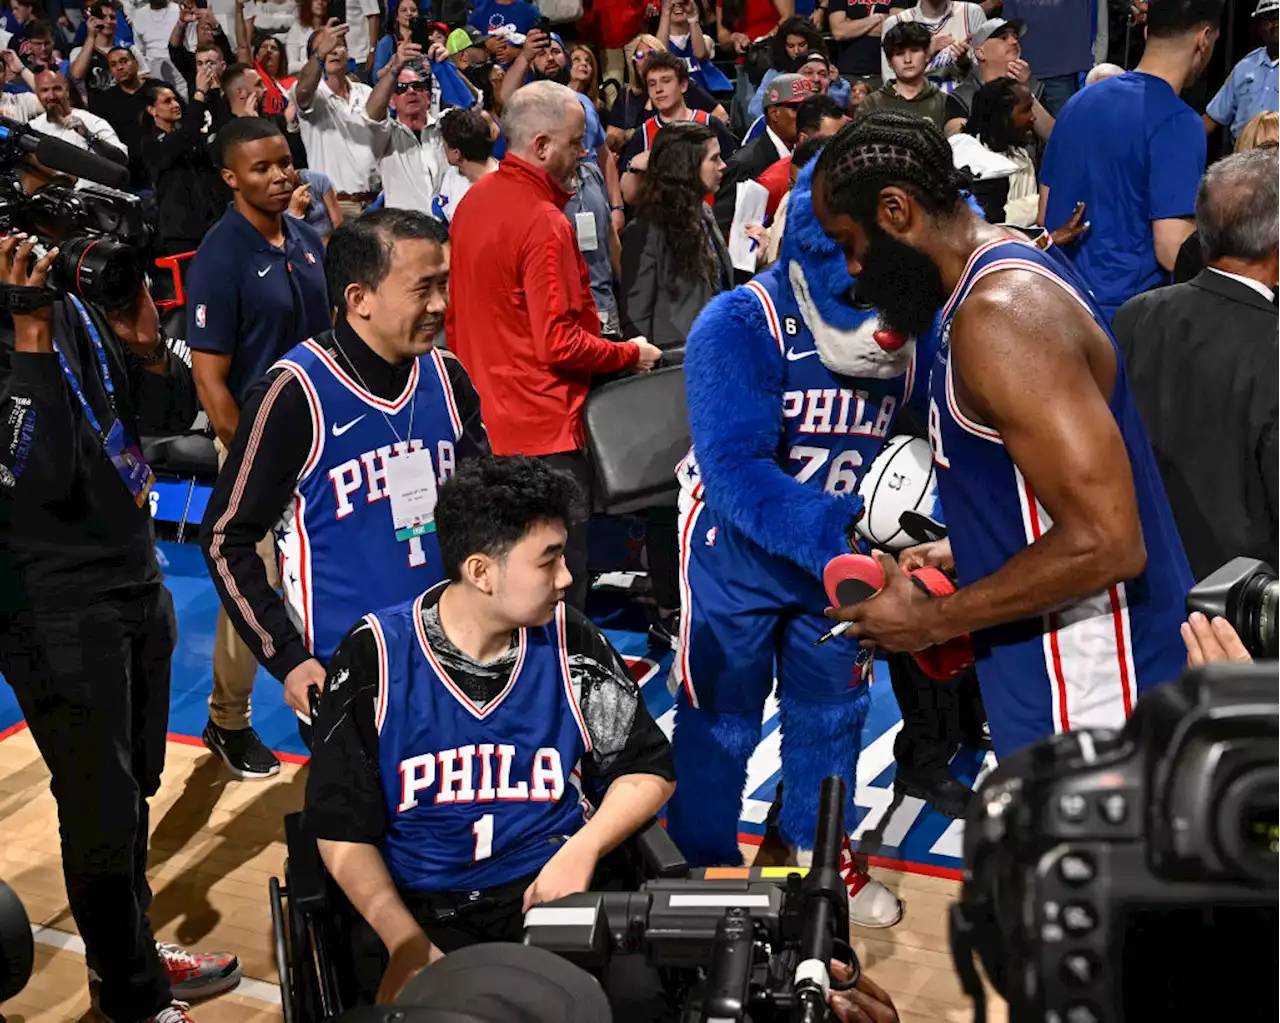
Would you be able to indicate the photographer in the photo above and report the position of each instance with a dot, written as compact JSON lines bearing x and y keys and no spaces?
{"x":86,"y":626}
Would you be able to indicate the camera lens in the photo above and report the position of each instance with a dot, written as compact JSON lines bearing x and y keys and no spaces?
{"x":1268,"y":599}
{"x":100,"y":270}
{"x":1246,"y":823}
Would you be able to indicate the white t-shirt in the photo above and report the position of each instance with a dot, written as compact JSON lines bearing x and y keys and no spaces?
{"x":271,"y":16}
{"x":339,"y":138}
{"x":295,"y":46}
{"x":960,"y":20}
{"x":97,"y":126}
{"x":412,"y":164}
{"x":452,"y":188}
{"x":151,"y":29}
{"x":358,"y":42}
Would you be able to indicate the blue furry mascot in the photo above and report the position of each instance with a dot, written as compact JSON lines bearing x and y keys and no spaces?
{"x":792,"y":392}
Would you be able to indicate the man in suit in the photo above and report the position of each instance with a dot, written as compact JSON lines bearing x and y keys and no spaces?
{"x":1202,"y":361}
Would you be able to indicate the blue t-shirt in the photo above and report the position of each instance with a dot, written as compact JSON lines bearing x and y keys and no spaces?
{"x":594,"y":137}
{"x":1133,"y":153}
{"x":1059,"y":39}
{"x":489,"y":14}
{"x":252,"y":301}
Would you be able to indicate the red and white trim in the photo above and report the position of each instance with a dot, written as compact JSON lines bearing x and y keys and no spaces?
{"x":447,"y":389}
{"x":233,"y":505}
{"x":1088,"y":647}
{"x":570,"y":695}
{"x":351,"y":385}
{"x":962,"y":288}
{"x":380,"y":641}
{"x":479,"y":713}
{"x":911,"y":377}
{"x":302,"y":545}
{"x":770,"y":312}
{"x":317,"y":415}
{"x":963,"y":421}
{"x":1014,"y":263}
{"x":683,"y":475}
{"x":690,"y":511}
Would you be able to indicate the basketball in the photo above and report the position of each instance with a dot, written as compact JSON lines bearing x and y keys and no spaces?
{"x":900,"y":479}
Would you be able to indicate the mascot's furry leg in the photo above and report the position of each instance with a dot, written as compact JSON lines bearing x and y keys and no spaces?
{"x":820,"y":739}
{"x":710,"y":751}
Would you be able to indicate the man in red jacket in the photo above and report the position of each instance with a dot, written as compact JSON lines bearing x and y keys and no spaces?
{"x":521,"y":317}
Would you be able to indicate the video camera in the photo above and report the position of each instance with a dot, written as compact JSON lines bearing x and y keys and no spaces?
{"x":99,"y":230}
{"x":726,"y":949}
{"x":1245,"y":592}
{"x":1132,"y":875}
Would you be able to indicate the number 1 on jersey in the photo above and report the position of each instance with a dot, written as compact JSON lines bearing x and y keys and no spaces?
{"x":483,"y":830}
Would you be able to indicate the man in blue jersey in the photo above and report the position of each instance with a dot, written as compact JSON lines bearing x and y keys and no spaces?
{"x":1071,"y":574}
{"x":344,"y":430}
{"x":1133,"y":152}
{"x":462,"y":732}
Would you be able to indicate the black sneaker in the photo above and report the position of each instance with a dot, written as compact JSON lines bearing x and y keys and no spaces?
{"x":242,"y":751}
{"x":946,"y":795}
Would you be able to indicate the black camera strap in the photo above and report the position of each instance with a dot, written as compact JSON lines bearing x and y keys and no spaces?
{"x":21,"y":300}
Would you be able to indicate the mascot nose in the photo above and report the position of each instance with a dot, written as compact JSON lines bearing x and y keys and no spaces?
{"x":890,"y":340}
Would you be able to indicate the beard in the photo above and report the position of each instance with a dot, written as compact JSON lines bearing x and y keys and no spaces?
{"x":560,"y":77}
{"x":901,"y":282}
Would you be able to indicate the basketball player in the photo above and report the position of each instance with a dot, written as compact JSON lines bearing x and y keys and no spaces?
{"x":346,"y":425}
{"x":460,"y":731}
{"x":1072,"y":576}
{"x":792,"y":391}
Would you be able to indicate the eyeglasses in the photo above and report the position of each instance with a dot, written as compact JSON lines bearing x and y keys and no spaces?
{"x":403,"y":87}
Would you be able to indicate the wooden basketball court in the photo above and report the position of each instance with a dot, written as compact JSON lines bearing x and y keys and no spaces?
{"x":215,"y":842}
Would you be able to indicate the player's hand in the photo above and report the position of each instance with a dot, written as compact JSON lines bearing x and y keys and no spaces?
{"x":330,"y":36}
{"x":897,"y":618}
{"x":866,"y":1003}
{"x":406,"y":53}
{"x":406,"y":961}
{"x":928,"y":555}
{"x":649,"y":355}
{"x":298,"y":683}
{"x":1019,"y":71}
{"x":1212,"y":642}
{"x":568,"y":872}
{"x":1073,"y":228}
{"x":33,"y":331}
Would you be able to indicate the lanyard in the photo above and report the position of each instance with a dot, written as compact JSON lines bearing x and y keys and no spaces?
{"x":104,"y":369}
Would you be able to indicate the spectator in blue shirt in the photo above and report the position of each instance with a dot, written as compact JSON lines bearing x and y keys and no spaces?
{"x":1253,"y":85}
{"x":1061,"y":43}
{"x":1133,"y":152}
{"x":491,"y":14}
{"x":256,"y":288}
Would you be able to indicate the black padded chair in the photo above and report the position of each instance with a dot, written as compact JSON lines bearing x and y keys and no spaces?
{"x":313,"y":958}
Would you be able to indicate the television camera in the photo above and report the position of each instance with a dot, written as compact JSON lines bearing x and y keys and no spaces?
{"x":1131,"y":875}
{"x":99,"y":230}
{"x":1245,"y":592}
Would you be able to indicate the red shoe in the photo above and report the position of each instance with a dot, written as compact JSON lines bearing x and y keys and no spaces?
{"x":195,"y":975}
{"x":871,"y":904}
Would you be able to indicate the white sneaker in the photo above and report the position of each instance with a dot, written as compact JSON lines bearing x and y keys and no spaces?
{"x":871,"y":904}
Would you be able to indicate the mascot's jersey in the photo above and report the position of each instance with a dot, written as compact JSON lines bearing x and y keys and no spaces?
{"x":1083,"y":665}
{"x":476,"y":796}
{"x":341,"y":557}
{"x":833,"y":426}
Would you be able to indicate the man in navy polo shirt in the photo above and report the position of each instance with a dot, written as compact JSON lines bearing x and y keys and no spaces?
{"x":255,"y":289}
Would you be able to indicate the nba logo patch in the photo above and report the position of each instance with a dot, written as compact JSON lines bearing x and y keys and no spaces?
{"x":310,"y":258}
{"x":201,"y":317}
{"x":711,"y":536}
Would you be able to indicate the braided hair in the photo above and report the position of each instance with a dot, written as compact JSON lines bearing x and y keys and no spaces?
{"x":888,"y":148}
{"x":991,"y":115}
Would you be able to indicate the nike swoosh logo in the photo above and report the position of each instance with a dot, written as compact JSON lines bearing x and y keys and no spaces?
{"x":263,"y":273}
{"x":794,"y":356}
{"x":338,"y":431}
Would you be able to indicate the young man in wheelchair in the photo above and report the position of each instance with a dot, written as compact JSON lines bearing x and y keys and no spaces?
{"x":460,"y":735}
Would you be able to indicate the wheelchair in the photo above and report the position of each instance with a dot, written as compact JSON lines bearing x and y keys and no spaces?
{"x":312,"y":952}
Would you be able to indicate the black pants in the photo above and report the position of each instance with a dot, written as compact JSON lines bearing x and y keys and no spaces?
{"x":93,"y":684}
{"x":936,"y":717}
{"x":575,"y":554}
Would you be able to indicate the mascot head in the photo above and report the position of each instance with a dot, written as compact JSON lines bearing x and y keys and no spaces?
{"x":849,"y":336}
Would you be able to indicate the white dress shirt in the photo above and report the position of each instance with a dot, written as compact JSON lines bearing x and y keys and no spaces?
{"x":340,"y":140}
{"x":412,"y":164}
{"x":98,"y":127}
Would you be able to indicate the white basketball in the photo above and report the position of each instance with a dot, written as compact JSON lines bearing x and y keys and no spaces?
{"x":900,"y":479}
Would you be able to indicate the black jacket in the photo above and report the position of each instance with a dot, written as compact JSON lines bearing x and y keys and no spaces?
{"x":70,"y":531}
{"x":747,"y":164}
{"x":1202,"y":363}
{"x":188,"y":188}
{"x":653,"y":301}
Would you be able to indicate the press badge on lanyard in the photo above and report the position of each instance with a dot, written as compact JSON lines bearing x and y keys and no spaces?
{"x":411,"y":483}
{"x":124,"y":452}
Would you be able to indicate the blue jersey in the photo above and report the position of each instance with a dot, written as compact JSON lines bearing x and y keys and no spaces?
{"x":1083,"y":665}
{"x":833,"y":426}
{"x":339,"y":554}
{"x":477,"y":796}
